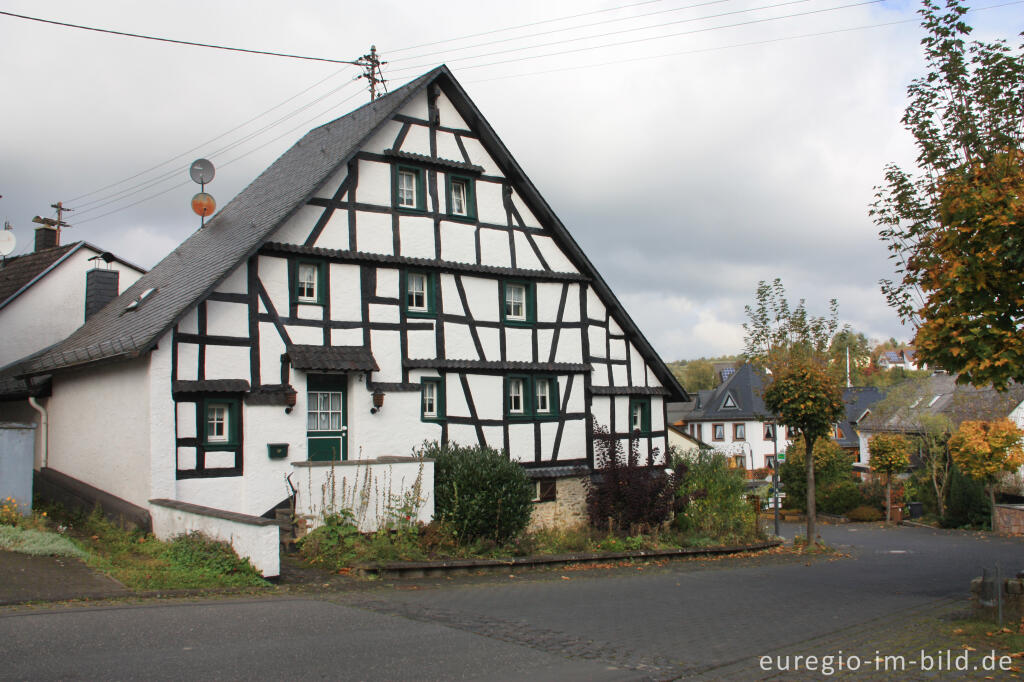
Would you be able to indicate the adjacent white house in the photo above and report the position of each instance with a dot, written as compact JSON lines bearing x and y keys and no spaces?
{"x":394,"y":277}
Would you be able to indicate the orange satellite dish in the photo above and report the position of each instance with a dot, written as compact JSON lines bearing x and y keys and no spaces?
{"x":203,"y":204}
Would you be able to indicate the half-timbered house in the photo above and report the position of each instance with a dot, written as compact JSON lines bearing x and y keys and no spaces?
{"x":394,"y":277}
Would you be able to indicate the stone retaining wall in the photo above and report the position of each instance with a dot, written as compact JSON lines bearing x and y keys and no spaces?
{"x":1009,"y":519}
{"x":568,"y":509}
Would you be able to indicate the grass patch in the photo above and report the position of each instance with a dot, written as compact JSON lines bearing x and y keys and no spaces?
{"x":984,"y":636}
{"x":37,"y":542}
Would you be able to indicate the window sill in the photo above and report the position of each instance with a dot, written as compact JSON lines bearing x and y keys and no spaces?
{"x":420,"y":313}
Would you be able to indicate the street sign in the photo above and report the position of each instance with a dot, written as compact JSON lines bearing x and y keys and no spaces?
{"x":781,"y":457}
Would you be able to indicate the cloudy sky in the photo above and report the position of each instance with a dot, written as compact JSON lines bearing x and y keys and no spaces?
{"x":693,"y":147}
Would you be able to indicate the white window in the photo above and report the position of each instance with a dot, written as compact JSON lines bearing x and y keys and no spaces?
{"x":515,"y":396}
{"x":323,"y":411}
{"x":416,"y":293}
{"x":306,"y":289}
{"x":729,"y":404}
{"x":636,"y":417}
{"x":515,"y":302}
{"x":407,"y":188}
{"x":739,"y":431}
{"x":542,"y":390}
{"x":718,"y":431}
{"x":217,"y":423}
{"x":459,"y":197}
{"x":769,"y":431}
{"x":429,"y":399}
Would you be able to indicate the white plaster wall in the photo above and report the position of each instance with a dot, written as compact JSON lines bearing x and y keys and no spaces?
{"x":448,"y":115}
{"x":386,"y":348}
{"x":260,"y":544}
{"x":383,"y":138}
{"x":237,"y":282}
{"x":99,"y":428}
{"x":518,"y":344}
{"x":574,"y":440}
{"x":61,"y":294}
{"x":162,"y":444}
{"x":619,"y":375}
{"x":490,"y":208}
{"x":570,"y":346}
{"x":595,"y":308}
{"x":572,"y":304}
{"x":188,"y":361}
{"x":305,"y":311}
{"x":323,"y":488}
{"x":297,"y":228}
{"x":227,"y":362}
{"x":577,"y":401}
{"x":447,"y":147}
{"x":458,"y":343}
{"x":520,"y":442}
{"x":482,"y":296}
{"x":637,"y":366}
{"x":490,"y":338}
{"x":458,"y":242}
{"x":544,"y":340}
{"x":374,"y":184}
{"x":387,"y":283}
{"x":526,"y":258}
{"x":417,"y":141}
{"x":617,"y":349}
{"x":456,"y":405}
{"x":488,"y":397}
{"x":613,"y":327}
{"x":189,"y":323}
{"x":227,"y":319}
{"x":313,"y":336}
{"x":548,"y":295}
{"x":450,"y":296}
{"x":271,"y":349}
{"x":346,"y":337}
{"x":600,"y":409}
{"x":557,"y":260}
{"x":345,"y":292}
{"x":373,"y":231}
{"x":494,"y":248}
{"x":423,"y":344}
{"x":529,"y":220}
{"x":754,"y":443}
{"x":335,"y":232}
{"x":274,"y":277}
{"x":480,"y":157}
{"x":332,"y":184}
{"x":383,"y":312}
{"x":416,"y":234}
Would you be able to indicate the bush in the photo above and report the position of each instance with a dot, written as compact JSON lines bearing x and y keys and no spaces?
{"x":839,"y":497}
{"x":332,"y":544}
{"x":624,"y":493}
{"x":478,"y":492}
{"x":968,"y":504}
{"x":203,"y":554}
{"x":831,"y":465}
{"x":865,"y":513}
{"x":712,"y":498}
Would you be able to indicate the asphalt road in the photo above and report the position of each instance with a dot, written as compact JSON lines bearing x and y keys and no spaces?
{"x":684,"y":619}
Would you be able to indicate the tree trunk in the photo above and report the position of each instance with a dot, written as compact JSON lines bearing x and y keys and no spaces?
{"x":992,"y":503}
{"x":888,"y":498}
{"x":812,"y":531}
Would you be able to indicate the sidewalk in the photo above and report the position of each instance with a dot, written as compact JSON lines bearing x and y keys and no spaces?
{"x":25,"y":578}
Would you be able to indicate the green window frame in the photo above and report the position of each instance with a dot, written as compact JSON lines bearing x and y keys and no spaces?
{"x":432,"y":391}
{"x":299,"y":283}
{"x":640,"y":415}
{"x":220,"y":426}
{"x":523,"y":397}
{"x":518,"y":303}
{"x":452,"y":184}
{"x":401,"y":192}
{"x":410,"y":292}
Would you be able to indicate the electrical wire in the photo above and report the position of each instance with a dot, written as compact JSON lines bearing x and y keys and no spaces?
{"x":638,"y":40}
{"x":125,"y":34}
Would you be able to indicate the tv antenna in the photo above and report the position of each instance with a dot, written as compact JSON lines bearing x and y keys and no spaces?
{"x":201,"y":171}
{"x":59,"y":222}
{"x":7,"y":241}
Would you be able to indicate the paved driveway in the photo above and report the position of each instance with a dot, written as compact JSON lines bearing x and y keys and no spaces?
{"x":711,"y":618}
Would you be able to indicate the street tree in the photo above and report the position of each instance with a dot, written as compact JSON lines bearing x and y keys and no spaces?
{"x":955,"y":227}
{"x":806,"y":397}
{"x":986,"y":449}
{"x":890,"y":454}
{"x":777,"y":333}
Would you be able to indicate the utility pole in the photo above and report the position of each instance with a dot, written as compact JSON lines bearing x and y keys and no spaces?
{"x":59,"y":222}
{"x":371,"y":64}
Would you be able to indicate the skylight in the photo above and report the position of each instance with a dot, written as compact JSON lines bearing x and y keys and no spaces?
{"x":134,"y":305}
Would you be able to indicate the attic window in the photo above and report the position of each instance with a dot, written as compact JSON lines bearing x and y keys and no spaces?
{"x":134,"y":305}
{"x":729,"y":403}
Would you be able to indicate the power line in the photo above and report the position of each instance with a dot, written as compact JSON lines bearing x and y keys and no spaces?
{"x":638,"y":40}
{"x":178,"y":42}
{"x":578,"y":27}
{"x":532,"y":23}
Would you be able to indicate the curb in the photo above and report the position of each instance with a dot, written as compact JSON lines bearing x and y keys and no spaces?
{"x":424,"y":569}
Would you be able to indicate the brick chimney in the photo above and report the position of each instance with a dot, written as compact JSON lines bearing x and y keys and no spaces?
{"x":46,"y":237}
{"x":100,"y":289}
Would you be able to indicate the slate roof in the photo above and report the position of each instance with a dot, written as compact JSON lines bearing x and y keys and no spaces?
{"x":939,"y":394}
{"x":194,"y":269}
{"x":857,"y":400}
{"x":211,"y":386}
{"x":744,"y":386}
{"x":337,"y":358}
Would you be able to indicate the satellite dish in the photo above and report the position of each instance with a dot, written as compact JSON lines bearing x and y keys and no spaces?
{"x":201,"y":171}
{"x":7,"y":242}
{"x":203,"y":204}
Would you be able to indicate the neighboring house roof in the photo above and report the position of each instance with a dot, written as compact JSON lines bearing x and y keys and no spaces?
{"x":737,"y":399}
{"x":940,"y":395}
{"x":858,"y":401}
{"x":697,"y":442}
{"x":19,"y":273}
{"x":190,"y":272}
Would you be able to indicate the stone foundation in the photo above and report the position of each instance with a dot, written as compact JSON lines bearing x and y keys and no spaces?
{"x":568,"y":509}
{"x":985,"y":598}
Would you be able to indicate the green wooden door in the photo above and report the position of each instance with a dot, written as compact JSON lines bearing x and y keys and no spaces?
{"x":326,"y":430}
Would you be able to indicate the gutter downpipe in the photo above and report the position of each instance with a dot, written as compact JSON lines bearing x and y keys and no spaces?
{"x":44,"y":430}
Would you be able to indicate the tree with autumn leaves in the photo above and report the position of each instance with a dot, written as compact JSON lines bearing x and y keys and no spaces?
{"x":956,"y":227}
{"x":986,"y":449}
{"x":890,"y":454}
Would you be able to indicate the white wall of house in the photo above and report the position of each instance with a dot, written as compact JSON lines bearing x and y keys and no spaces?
{"x":99,"y":428}
{"x":753,"y":447}
{"x":53,"y":307}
